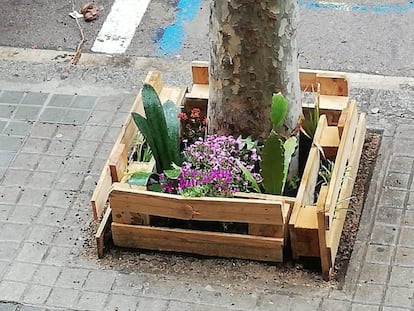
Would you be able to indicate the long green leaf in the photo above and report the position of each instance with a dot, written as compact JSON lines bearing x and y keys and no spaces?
{"x":249,"y":177}
{"x":145,"y":130}
{"x":158,"y":125}
{"x":173,"y":173}
{"x":170,"y":113}
{"x":289,"y":147}
{"x":139,"y":178}
{"x":278,"y":110}
{"x":272,"y":164}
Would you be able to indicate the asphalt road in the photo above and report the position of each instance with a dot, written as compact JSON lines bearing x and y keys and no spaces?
{"x":368,"y":36}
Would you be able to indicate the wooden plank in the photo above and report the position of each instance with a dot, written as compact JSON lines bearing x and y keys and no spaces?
{"x":306,"y":233}
{"x":154,"y":78}
{"x":337,"y":224}
{"x":322,"y":125}
{"x":335,"y":86}
{"x":307,"y":80}
{"x":118,"y":163}
{"x":330,"y":102}
{"x":198,"y":91}
{"x":277,"y":231}
{"x":175,"y":94}
{"x":325,"y":253}
{"x":199,"y":71}
{"x":101,"y":192}
{"x":102,"y":230}
{"x":304,"y":197}
{"x":124,"y":198}
{"x":341,"y":122}
{"x":198,"y":242}
{"x":329,"y":141}
{"x":331,"y":83}
{"x":307,"y":185}
{"x":264,"y":196}
{"x":344,"y":152}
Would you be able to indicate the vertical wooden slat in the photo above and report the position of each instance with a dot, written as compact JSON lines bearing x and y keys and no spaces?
{"x":344,"y":152}
{"x":118,"y":163}
{"x":324,"y":251}
{"x":199,"y":72}
{"x":334,"y":233}
{"x":102,"y":230}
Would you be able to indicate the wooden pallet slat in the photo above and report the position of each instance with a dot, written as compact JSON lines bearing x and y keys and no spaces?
{"x":118,"y":162}
{"x":334,"y":234}
{"x":100,"y":235}
{"x":198,"y":242}
{"x":124,"y":198}
{"x":322,"y":224}
{"x":101,"y":192}
{"x":199,"y":72}
{"x":344,"y":152}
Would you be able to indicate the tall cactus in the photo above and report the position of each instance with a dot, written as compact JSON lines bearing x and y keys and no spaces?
{"x":277,"y":151}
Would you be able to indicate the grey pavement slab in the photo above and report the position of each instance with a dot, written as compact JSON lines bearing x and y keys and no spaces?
{"x":48,"y":171}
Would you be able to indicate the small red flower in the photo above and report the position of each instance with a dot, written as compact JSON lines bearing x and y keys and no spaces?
{"x":195,"y":113}
{"x":182,"y":116}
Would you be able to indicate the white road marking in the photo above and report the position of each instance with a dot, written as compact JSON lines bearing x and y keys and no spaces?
{"x":120,"y":25}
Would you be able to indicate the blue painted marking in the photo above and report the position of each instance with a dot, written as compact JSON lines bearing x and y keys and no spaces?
{"x":173,"y":37}
{"x":339,"y":6}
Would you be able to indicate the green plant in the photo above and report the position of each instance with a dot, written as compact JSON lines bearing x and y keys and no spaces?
{"x":160,"y":128}
{"x":325,"y":172}
{"x":141,"y":151}
{"x":277,"y":150}
{"x":310,"y":121}
{"x":193,"y":126}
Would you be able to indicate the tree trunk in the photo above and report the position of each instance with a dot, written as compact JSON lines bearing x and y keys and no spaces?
{"x":253,"y":54}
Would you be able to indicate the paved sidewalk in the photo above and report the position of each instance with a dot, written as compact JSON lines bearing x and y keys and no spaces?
{"x":52,"y":149}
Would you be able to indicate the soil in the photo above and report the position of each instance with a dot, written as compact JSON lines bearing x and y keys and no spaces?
{"x":246,"y":274}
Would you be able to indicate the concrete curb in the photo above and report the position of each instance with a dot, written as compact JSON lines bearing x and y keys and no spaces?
{"x":357,"y":80}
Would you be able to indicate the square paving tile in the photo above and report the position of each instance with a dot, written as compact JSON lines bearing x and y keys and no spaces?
{"x":36,"y":99}
{"x":11,"y":97}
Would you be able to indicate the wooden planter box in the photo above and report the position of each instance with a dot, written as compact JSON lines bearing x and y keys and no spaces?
{"x":314,"y":227}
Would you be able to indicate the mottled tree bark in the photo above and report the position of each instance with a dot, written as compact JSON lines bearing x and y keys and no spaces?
{"x":253,"y":55}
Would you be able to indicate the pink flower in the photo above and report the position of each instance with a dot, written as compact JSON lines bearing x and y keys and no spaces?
{"x":195,"y":113}
{"x":182,"y":116}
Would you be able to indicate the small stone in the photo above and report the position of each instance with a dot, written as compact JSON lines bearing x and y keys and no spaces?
{"x":375,"y":110}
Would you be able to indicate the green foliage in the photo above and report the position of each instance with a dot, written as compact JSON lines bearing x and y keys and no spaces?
{"x":160,"y":134}
{"x":277,"y":151}
{"x":249,"y":177}
{"x":248,"y":143}
{"x":139,"y":178}
{"x":325,"y":172}
{"x":310,"y":122}
{"x":173,"y":173}
{"x":173,"y":123}
{"x":146,"y":154}
{"x":289,"y":147}
{"x":272,"y":164}
{"x":278,"y":110}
